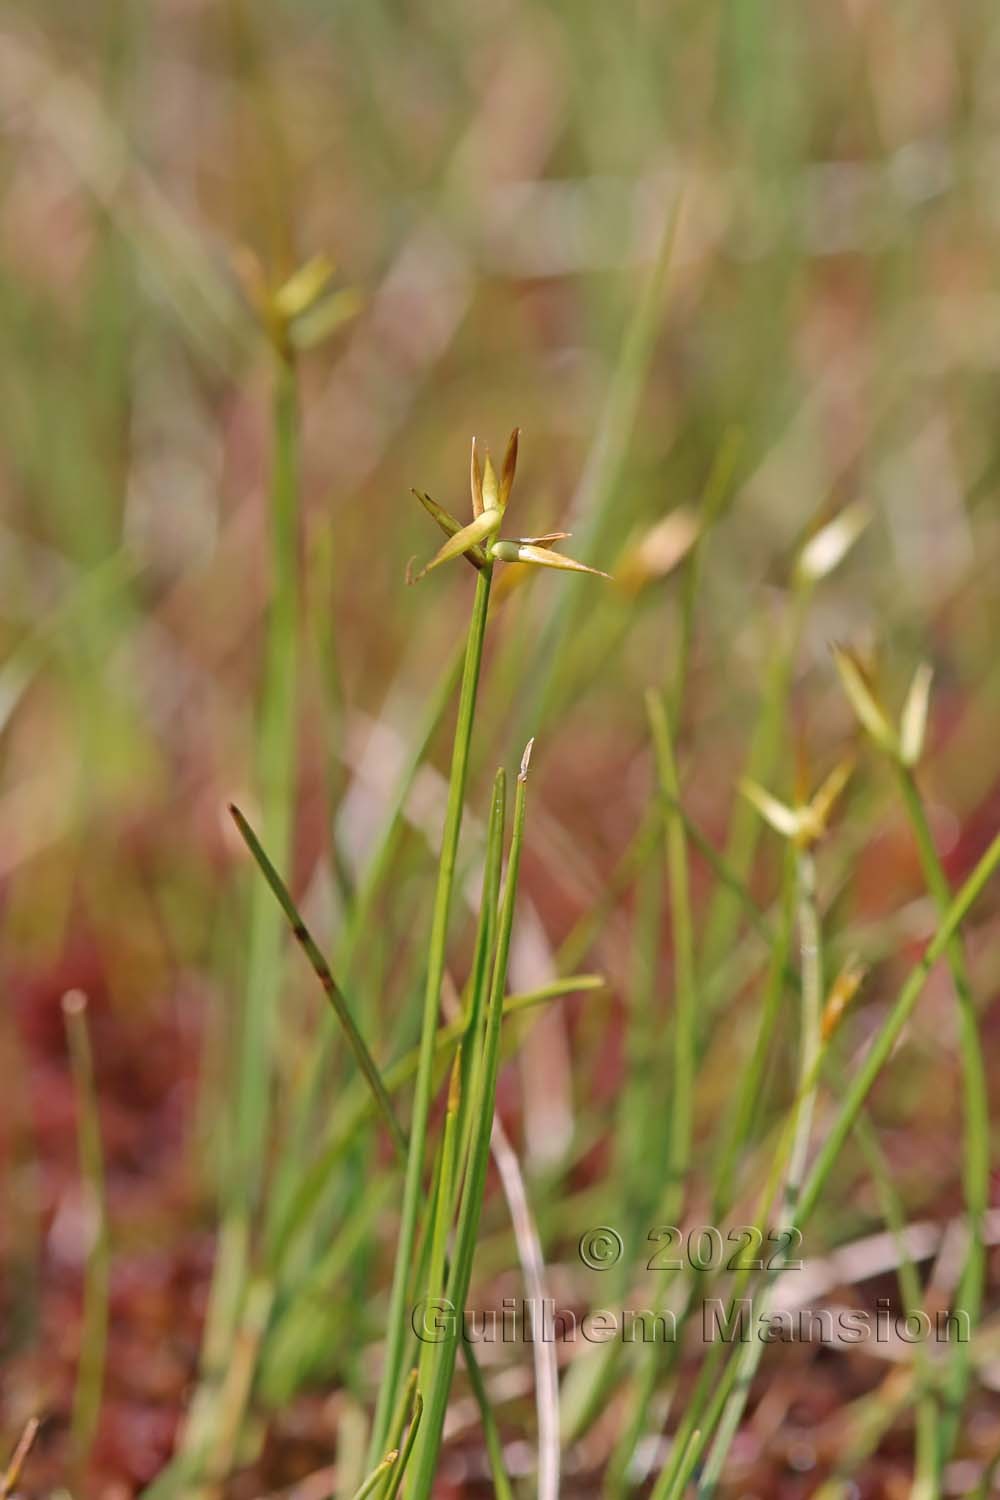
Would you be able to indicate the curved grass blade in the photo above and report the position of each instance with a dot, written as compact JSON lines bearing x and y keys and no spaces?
{"x":321,"y":969}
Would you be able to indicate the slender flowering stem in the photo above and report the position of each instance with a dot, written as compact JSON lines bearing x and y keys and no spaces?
{"x":413,"y":1183}
{"x":467,"y":1221}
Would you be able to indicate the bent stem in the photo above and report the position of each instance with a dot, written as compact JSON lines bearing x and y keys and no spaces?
{"x":413,"y":1182}
{"x":320,"y":967}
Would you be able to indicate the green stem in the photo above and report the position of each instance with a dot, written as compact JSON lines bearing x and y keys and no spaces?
{"x":826,"y":1158}
{"x":276,"y":749}
{"x":502,"y":1489}
{"x":413,"y":1183}
{"x":976,"y":1145}
{"x":360,"y":1105}
{"x":276,"y":773}
{"x":883,"y":1044}
{"x":685,"y":982}
{"x":809,"y":1050}
{"x":467,"y":1222}
{"x":744,"y":828}
{"x":738,"y":1129}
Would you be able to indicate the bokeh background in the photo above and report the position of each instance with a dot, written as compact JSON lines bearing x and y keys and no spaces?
{"x":749,"y":240}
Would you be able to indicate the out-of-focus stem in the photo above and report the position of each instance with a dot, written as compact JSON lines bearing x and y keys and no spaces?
{"x":976,"y":1144}
{"x":94,"y":1331}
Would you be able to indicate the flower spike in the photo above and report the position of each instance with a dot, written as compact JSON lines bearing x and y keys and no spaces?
{"x":904,"y":745}
{"x":478,"y":541}
{"x":806,"y":821}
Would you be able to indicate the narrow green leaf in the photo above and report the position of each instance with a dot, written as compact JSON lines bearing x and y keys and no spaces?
{"x":321,"y":968}
{"x":376,"y":1476}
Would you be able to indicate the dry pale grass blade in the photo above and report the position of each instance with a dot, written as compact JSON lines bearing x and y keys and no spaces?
{"x":13,"y":1470}
{"x":913,"y":723}
{"x":543,"y":1351}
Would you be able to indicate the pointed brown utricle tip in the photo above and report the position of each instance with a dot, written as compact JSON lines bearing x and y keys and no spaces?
{"x":509,"y":466}
{"x":476,"y":480}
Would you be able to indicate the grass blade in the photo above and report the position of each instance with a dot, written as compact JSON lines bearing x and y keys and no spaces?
{"x":882,"y":1045}
{"x":377,"y":1475}
{"x":321,"y":968}
{"x":976,"y":1149}
{"x":399,"y":1470}
{"x":502,"y":1489}
{"x":23,"y":1447}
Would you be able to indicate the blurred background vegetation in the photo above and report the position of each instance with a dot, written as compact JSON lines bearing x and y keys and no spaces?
{"x":496,"y":181}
